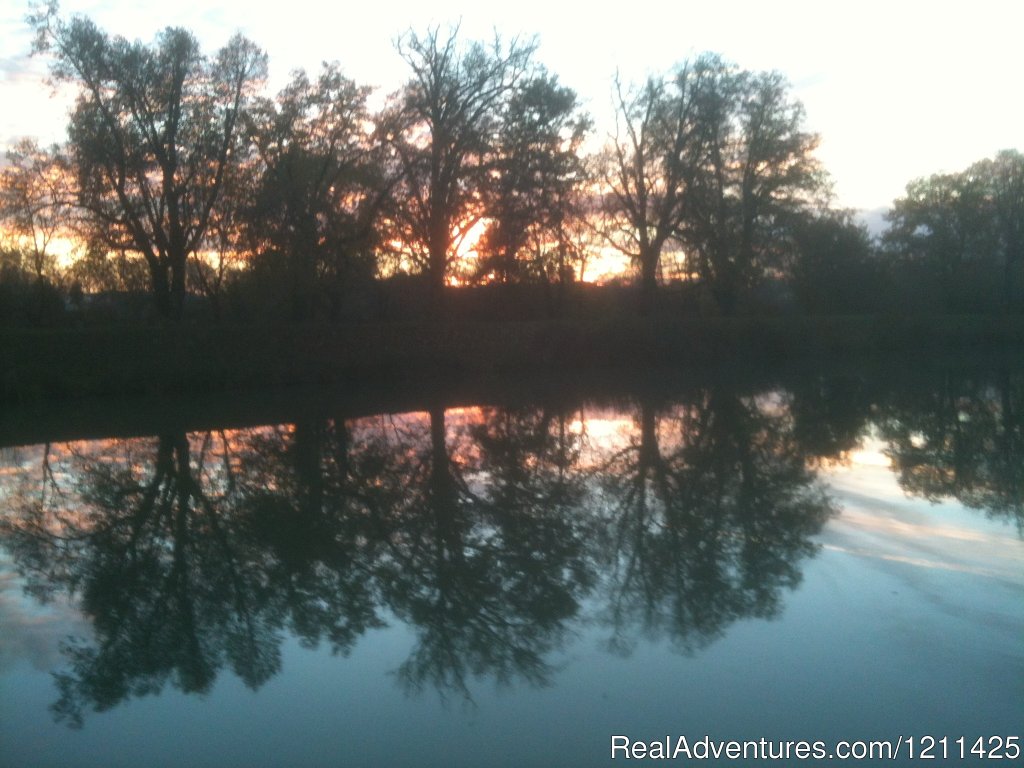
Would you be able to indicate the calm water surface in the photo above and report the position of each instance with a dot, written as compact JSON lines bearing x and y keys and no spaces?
{"x":824,"y":559}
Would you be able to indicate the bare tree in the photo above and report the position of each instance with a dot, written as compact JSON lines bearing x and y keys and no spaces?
{"x":35,"y":200}
{"x":441,"y":128}
{"x":646,"y":171}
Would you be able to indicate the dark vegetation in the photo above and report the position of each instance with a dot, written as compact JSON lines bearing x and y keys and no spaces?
{"x":221,"y":234}
{"x":166,"y":359}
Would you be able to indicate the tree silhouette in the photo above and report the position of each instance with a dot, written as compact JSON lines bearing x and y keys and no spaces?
{"x":716,"y":161}
{"x":441,"y":129}
{"x":535,"y":196}
{"x":940,"y":234}
{"x":1005,"y":180}
{"x":311,"y":222}
{"x":834,"y":267}
{"x":964,"y":232}
{"x":35,"y":200}
{"x":755,"y":173}
{"x":153,"y":133}
{"x":648,"y":169}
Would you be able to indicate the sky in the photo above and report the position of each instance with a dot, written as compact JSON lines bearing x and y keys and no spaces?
{"x":896,"y":89}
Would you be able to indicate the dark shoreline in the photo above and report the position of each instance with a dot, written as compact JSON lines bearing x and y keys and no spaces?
{"x":45,"y":366}
{"x":107,"y":385}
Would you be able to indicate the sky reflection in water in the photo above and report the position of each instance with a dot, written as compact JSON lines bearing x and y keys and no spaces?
{"x":513,"y":585}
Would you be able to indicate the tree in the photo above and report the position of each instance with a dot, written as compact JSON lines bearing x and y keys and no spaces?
{"x":95,"y":270}
{"x":833,"y":267}
{"x":755,"y":175}
{"x":714,"y":160}
{"x":35,"y":196}
{"x":647,"y":172}
{"x":441,"y":129}
{"x":964,"y":231}
{"x":153,"y":133}
{"x":536,"y":185}
{"x":941,"y":233}
{"x":1005,"y":182}
{"x":313,"y":216}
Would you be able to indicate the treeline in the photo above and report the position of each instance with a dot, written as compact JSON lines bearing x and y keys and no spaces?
{"x":185,"y":190}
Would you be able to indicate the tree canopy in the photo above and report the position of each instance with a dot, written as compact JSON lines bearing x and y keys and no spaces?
{"x":482,"y":168}
{"x":967,"y":230}
{"x":441,"y":128}
{"x":153,"y":134}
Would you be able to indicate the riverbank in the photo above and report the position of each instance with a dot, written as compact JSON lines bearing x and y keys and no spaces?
{"x":48,"y":365}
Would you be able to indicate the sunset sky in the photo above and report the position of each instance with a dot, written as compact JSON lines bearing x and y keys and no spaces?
{"x":896,"y":89}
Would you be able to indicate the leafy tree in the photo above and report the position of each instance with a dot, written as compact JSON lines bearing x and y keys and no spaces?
{"x":312,"y":220}
{"x":834,"y":266}
{"x":97,"y":270}
{"x":1004,"y":178}
{"x":964,"y":232}
{"x":536,"y":192}
{"x":35,"y":213}
{"x":25,"y":298}
{"x":441,"y":128}
{"x":941,"y":230}
{"x":153,"y":134}
{"x":714,"y":160}
{"x":755,"y":174}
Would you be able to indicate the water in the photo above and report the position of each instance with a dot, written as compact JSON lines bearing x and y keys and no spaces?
{"x":817,"y":558}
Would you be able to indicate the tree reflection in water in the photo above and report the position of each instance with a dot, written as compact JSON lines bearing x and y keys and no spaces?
{"x":486,"y":557}
{"x":492,"y":533}
{"x":301,"y":495}
{"x":711,"y":508}
{"x":159,"y":565}
{"x":962,"y":439}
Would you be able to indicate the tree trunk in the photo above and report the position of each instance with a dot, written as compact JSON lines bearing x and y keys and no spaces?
{"x":437,"y":268}
{"x":161,"y":289}
{"x":178,"y":288}
{"x":725,"y":289}
{"x":443,"y":492}
{"x":438,"y":297}
{"x":648,"y":281}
